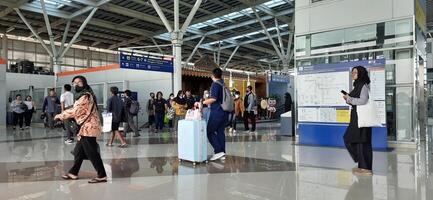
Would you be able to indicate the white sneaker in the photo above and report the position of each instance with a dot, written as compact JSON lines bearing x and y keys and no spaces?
{"x":218,"y":156}
{"x":234,"y":131}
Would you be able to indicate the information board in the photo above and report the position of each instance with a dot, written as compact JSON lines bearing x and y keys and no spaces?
{"x":145,"y":62}
{"x":319,"y":91}
{"x":323,"y":114}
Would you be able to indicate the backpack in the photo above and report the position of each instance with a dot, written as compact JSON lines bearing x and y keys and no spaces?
{"x":228,"y":103}
{"x":135,"y":107}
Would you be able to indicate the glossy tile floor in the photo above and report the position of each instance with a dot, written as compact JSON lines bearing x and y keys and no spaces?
{"x":261,"y":166}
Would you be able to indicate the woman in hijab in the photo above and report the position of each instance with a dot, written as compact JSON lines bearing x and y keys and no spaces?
{"x":85,"y":113}
{"x":179,"y":105}
{"x":358,"y":140}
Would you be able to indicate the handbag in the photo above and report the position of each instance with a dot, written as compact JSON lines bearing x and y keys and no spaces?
{"x":74,"y":127}
{"x":107,"y":119}
{"x":193,"y":114}
{"x":367,"y":115}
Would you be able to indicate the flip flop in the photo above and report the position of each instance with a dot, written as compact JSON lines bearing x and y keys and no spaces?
{"x":68,"y":177}
{"x":97,"y":180}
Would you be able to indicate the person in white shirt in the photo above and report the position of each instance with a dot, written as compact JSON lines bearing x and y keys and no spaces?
{"x":66,"y":102}
{"x":30,"y":110}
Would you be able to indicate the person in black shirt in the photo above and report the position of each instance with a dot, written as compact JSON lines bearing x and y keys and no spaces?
{"x":129,"y":124}
{"x":115,"y":106}
{"x":190,"y":101}
{"x":160,"y":107}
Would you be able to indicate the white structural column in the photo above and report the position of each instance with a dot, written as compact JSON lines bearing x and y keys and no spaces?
{"x":176,"y":37}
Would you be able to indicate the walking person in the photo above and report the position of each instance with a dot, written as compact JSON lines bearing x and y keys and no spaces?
{"x":67,"y":102}
{"x":179,"y":105}
{"x":30,"y":110}
{"x":18,"y":110}
{"x":239,"y":110}
{"x":151,"y":111}
{"x":218,"y":117}
{"x":250,"y":110}
{"x":85,"y":112}
{"x":116,"y":108}
{"x":160,"y":107}
{"x":358,"y":140}
{"x":129,"y":124}
{"x":50,"y":107}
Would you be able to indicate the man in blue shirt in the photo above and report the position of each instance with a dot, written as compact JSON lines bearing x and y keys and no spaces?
{"x":218,"y":117}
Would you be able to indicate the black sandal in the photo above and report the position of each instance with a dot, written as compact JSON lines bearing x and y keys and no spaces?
{"x":69,"y":177}
{"x":98,"y":180}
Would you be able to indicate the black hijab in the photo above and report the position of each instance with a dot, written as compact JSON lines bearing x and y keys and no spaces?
{"x":178,"y":100}
{"x":86,"y":89}
{"x":362,"y":80}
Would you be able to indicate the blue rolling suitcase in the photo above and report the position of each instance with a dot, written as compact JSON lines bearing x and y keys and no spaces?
{"x":192,"y":141}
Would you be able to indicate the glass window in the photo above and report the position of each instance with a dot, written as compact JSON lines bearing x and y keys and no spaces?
{"x":98,"y":89}
{"x":327,"y":39}
{"x":360,"y":34}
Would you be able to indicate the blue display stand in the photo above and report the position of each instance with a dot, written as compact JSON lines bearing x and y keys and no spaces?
{"x":332,"y":135}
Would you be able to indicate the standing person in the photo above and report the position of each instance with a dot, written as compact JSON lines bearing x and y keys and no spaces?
{"x":249,"y":113}
{"x":66,"y":102}
{"x":151,"y":111}
{"x":85,"y":112}
{"x":218,"y":117}
{"x":115,"y":107}
{"x":30,"y":110}
{"x":179,"y":105}
{"x":239,"y":110}
{"x":190,"y":100}
{"x":232,"y":118}
{"x":50,"y":107}
{"x":160,"y":107}
{"x":170,"y":111}
{"x":358,"y":140}
{"x":287,"y":102}
{"x":129,"y":124}
{"x":18,"y":109}
{"x":206,"y":108}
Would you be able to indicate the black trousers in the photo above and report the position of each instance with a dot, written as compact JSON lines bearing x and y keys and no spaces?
{"x":251,"y":116}
{"x":18,"y":119}
{"x":235,"y":121}
{"x":88,"y":148}
{"x":361,"y":153}
{"x":28,"y":117}
{"x":69,"y":133}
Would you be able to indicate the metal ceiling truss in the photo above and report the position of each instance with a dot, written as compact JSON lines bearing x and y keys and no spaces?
{"x":138,"y":34}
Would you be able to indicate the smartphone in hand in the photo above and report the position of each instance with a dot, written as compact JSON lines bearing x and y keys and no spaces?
{"x":344,"y":92}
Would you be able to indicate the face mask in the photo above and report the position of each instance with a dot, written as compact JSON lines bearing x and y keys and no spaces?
{"x":78,"y":89}
{"x":171,"y":97}
{"x":236,"y":96}
{"x":206,"y":95}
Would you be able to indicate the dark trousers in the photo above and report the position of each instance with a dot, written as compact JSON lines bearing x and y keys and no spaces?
{"x":215,"y":132}
{"x":170,"y":123}
{"x":28,"y":117}
{"x":251,"y":116}
{"x":231,"y":120}
{"x":69,"y":132}
{"x":159,"y":118}
{"x":237,"y":118}
{"x":18,"y":119}
{"x":87,"y":148}
{"x":151,"y":120}
{"x":50,"y":119}
{"x":361,"y":153}
{"x":129,"y":124}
